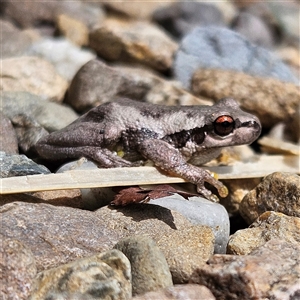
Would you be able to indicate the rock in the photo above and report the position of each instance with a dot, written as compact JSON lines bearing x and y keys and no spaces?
{"x":137,"y":42}
{"x":66,"y":57}
{"x":221,"y":48}
{"x":186,"y":250}
{"x":149,"y":268}
{"x":33,"y":75}
{"x":19,"y":165}
{"x":136,"y":83}
{"x":286,"y":15}
{"x":237,"y":188}
{"x":254,"y":29}
{"x":269,"y":225}
{"x":18,"y":269}
{"x":270,"y":272}
{"x":8,"y":137}
{"x":180,"y":18}
{"x":102,"y":276}
{"x":29,"y":14}
{"x":13,"y":41}
{"x":58,"y":235}
{"x":74,"y":30}
{"x":279,"y":192}
{"x":133,"y":10}
{"x":264,"y":97}
{"x":50,"y":115}
{"x":28,"y":133}
{"x":201,"y":212}
{"x":179,"y":292}
{"x":291,"y":56}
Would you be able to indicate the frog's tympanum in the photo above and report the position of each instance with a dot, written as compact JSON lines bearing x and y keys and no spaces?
{"x":170,"y":136}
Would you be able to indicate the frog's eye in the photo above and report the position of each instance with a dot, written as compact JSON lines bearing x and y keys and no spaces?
{"x":224,"y":125}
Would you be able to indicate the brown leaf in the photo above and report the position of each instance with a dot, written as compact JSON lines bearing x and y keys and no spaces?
{"x":138,"y":195}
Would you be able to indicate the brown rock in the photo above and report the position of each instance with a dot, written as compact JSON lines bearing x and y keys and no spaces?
{"x":8,"y":137}
{"x":186,"y":250}
{"x":102,"y":276}
{"x":265,"y":97}
{"x":270,"y":272}
{"x":33,"y":75}
{"x":149,"y":267}
{"x":17,"y":269}
{"x":138,"y":42}
{"x":73,"y":29}
{"x":179,"y":292}
{"x":278,"y":192}
{"x":270,"y":225}
{"x":136,"y":83}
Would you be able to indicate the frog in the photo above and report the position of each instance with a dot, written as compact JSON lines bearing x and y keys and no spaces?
{"x":177,"y":139}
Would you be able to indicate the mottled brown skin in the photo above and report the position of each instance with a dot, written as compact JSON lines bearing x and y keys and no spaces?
{"x":169,"y":136}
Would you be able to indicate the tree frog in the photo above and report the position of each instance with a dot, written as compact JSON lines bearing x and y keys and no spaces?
{"x":170,"y":136}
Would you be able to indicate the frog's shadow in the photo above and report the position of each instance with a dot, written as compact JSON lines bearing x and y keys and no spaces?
{"x":143,"y":211}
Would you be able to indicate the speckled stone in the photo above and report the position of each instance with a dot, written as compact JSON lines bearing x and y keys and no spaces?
{"x":278,"y":192}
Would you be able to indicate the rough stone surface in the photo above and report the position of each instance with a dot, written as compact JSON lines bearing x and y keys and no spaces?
{"x":186,"y":250}
{"x":278,"y":192}
{"x":179,"y":292}
{"x":180,"y":18}
{"x":264,"y":97}
{"x":66,"y":57}
{"x":19,"y":165}
{"x":149,"y":268}
{"x":58,"y":235}
{"x":202,"y":212}
{"x":270,"y":225}
{"x":8,"y":137}
{"x":17,"y":269}
{"x":34,"y":75}
{"x":221,"y":48}
{"x":50,"y":115}
{"x":102,"y":276}
{"x":269,"y":272}
{"x":136,"y":83}
{"x":138,"y":42}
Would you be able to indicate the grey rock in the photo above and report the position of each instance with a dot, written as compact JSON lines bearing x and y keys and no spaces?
{"x":179,"y":292}
{"x":221,"y":48}
{"x":102,"y":276}
{"x":269,"y":225}
{"x":66,"y":57}
{"x":8,"y":137}
{"x":120,"y":81}
{"x":181,"y":17}
{"x":13,"y":41}
{"x":254,"y":29}
{"x":50,"y":115}
{"x":278,"y":192}
{"x":19,"y":165}
{"x":17,"y":269}
{"x":201,"y":212}
{"x":269,"y":272}
{"x":149,"y":267}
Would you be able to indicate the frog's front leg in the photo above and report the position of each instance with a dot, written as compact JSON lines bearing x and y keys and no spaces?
{"x":168,"y":158}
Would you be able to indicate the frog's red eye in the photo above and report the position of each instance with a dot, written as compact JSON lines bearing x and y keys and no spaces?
{"x":224,"y":125}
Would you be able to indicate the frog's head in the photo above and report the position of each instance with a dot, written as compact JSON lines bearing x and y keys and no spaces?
{"x":227,"y":125}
